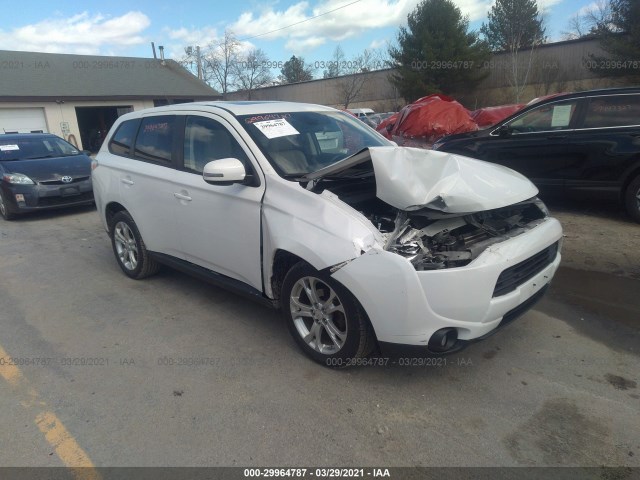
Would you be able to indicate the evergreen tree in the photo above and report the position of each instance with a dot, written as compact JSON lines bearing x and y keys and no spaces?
{"x":436,"y":52}
{"x":621,"y":39}
{"x":294,"y":71}
{"x":513,"y":24}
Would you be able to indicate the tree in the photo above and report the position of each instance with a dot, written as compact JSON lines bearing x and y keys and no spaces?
{"x":336,"y":64}
{"x":621,"y":39}
{"x":220,"y":61}
{"x":294,"y":71}
{"x":350,"y":84}
{"x":589,"y":21}
{"x":252,"y":71}
{"x":513,"y":25}
{"x":436,"y":52}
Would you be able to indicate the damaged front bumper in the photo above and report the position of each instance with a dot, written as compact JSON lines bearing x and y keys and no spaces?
{"x":407,"y":307}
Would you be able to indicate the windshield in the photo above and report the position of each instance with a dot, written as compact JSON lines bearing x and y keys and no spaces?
{"x":297,"y":143}
{"x":29,"y":148}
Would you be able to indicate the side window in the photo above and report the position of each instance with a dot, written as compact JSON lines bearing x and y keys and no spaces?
{"x":155,"y":139}
{"x":614,"y":111}
{"x":122,"y":140}
{"x":555,"y":116}
{"x":206,"y":140}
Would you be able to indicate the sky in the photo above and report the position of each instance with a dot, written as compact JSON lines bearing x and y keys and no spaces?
{"x":125,"y":28}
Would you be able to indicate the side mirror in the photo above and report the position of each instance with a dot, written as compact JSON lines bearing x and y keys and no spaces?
{"x":224,"y":171}
{"x":504,"y":131}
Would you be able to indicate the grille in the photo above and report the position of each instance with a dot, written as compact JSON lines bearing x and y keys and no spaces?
{"x":60,"y":182}
{"x":509,"y":280}
{"x":52,"y":201}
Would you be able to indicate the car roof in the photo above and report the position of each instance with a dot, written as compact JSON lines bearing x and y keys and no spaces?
{"x":245,"y":107}
{"x":586,"y":93}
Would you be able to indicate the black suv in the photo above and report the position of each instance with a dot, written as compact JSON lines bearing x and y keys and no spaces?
{"x":585,"y":144}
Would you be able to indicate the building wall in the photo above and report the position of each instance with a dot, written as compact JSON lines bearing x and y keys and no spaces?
{"x":375,"y":90}
{"x":57,"y":113}
{"x":554,"y":67}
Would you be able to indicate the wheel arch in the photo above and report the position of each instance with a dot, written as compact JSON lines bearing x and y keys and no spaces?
{"x":629,"y":176}
{"x":110,"y":210}
{"x":283,"y":261}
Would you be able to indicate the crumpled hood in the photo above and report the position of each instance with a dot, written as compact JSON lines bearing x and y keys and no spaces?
{"x":414,"y":178}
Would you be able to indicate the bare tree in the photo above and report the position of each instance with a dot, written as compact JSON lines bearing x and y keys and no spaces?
{"x":590,"y":21}
{"x":351,"y":83}
{"x":336,"y":65}
{"x":252,"y":71}
{"x":220,"y":61}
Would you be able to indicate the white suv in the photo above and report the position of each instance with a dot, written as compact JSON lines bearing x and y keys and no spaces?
{"x":365,"y":246}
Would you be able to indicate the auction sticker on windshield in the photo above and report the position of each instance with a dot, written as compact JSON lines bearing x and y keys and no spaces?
{"x":276,"y":128}
{"x":8,"y":148}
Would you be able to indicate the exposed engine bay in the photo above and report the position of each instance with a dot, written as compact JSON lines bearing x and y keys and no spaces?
{"x":431,"y":239}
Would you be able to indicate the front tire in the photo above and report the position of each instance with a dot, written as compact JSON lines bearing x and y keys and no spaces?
{"x":632,"y":199}
{"x":324,"y":318}
{"x":129,"y":248}
{"x":4,"y":210}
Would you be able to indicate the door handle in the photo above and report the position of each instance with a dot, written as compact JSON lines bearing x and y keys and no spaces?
{"x":180,"y":196}
{"x":126,"y":181}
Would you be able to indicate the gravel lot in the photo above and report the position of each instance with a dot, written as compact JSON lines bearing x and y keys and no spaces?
{"x":559,"y":387}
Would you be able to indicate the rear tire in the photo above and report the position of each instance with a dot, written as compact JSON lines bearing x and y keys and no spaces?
{"x":4,"y":210}
{"x":129,"y":248}
{"x":632,"y":199}
{"x":324,"y":318}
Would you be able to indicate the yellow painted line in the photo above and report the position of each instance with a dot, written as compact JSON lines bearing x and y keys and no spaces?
{"x":49,"y":424}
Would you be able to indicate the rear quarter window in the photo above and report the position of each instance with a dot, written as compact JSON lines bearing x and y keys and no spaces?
{"x":122,"y":140}
{"x":613,"y":111}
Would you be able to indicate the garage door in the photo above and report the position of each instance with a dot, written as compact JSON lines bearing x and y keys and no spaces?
{"x":22,"y":120}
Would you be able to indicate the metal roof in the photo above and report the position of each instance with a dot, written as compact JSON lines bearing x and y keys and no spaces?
{"x":28,"y":76}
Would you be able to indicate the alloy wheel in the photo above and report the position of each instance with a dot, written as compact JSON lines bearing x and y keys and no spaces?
{"x":126,"y":246}
{"x":318,"y":315}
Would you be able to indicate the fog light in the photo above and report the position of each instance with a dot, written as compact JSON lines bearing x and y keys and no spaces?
{"x":19,"y":197}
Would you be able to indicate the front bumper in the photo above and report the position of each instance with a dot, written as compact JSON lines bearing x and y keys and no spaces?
{"x":43,"y":197}
{"x":407,"y":307}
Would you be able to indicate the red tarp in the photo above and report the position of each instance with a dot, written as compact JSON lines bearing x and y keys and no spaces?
{"x":386,"y":123}
{"x":428,"y":119}
{"x":486,"y":117}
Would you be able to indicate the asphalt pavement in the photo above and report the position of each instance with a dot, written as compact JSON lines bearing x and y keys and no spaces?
{"x":170,"y":371}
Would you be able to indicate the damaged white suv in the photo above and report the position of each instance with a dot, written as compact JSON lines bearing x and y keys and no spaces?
{"x":365,"y":246}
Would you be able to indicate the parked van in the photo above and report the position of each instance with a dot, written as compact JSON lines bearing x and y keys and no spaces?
{"x":361,"y":112}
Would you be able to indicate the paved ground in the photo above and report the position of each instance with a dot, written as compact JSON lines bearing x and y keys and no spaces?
{"x":557,"y":387}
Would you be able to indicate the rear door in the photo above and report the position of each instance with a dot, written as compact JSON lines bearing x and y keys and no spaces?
{"x":147,"y":183}
{"x":606,"y":144}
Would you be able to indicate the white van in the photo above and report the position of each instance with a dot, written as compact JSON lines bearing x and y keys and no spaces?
{"x":361,"y":112}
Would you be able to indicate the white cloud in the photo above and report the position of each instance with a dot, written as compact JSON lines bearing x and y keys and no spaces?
{"x":82,"y":33}
{"x":545,"y":5}
{"x":336,"y":26}
{"x":376,"y":44}
{"x":304,"y":44}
